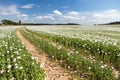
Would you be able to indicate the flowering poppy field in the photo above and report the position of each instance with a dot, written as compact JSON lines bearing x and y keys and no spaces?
{"x":88,"y":52}
{"x":91,"y":52}
{"x":16,"y":63}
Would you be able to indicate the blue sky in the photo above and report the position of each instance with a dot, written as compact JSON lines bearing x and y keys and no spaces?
{"x":61,"y":11}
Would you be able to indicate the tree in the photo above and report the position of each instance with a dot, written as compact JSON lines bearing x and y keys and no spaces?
{"x":9,"y":22}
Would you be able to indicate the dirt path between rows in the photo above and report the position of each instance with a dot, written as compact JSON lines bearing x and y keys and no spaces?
{"x":52,"y":70}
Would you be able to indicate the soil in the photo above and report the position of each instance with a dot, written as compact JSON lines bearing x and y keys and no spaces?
{"x":53,"y":71}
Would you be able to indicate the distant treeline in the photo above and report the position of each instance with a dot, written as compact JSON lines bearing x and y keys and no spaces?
{"x":10,"y":22}
{"x":111,"y":23}
{"x":116,"y":22}
{"x":49,"y":24}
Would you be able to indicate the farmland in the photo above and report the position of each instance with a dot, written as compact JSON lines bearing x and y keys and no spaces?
{"x":16,"y":63}
{"x":86,"y":52}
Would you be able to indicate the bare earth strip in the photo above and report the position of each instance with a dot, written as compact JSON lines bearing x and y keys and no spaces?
{"x":52,"y":70}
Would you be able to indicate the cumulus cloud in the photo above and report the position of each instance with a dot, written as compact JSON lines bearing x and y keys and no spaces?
{"x":107,"y":14}
{"x":75,"y":13}
{"x":22,"y":15}
{"x":101,"y":17}
{"x":74,"y":18}
{"x":45,"y":17}
{"x":48,"y":17}
{"x":9,"y":10}
{"x":56,"y":12}
{"x":39,"y":17}
{"x":28,"y":6}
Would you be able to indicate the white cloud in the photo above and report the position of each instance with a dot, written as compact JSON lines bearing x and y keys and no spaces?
{"x":107,"y":14}
{"x":9,"y":10}
{"x":74,"y":18}
{"x":69,"y":17}
{"x":28,"y":6}
{"x":22,"y":15}
{"x":101,"y":17}
{"x":39,"y":17}
{"x":45,"y":17}
{"x":48,"y":17}
{"x":75,"y":13}
{"x":56,"y":12}
{"x":97,"y":15}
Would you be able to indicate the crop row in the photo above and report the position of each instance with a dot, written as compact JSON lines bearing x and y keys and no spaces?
{"x":106,"y":35}
{"x":16,"y":63}
{"x":75,"y":62}
{"x":106,"y":53}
